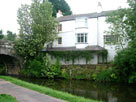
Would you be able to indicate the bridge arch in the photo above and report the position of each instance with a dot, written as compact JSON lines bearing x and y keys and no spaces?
{"x":8,"y":57}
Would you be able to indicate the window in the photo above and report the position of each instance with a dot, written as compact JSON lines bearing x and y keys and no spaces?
{"x":81,"y":37}
{"x":110,"y":38}
{"x":81,"y":22}
{"x":60,"y":27}
{"x":60,"y":40}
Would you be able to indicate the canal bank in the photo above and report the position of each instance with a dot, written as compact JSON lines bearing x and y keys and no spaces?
{"x":107,"y":92}
{"x":48,"y":91}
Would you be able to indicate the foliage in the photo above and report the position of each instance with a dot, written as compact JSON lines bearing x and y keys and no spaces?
{"x":11,"y":36}
{"x":72,"y":55}
{"x":60,"y":5}
{"x":48,"y":91}
{"x":1,"y":34}
{"x":2,"y":70}
{"x":7,"y":98}
{"x":65,"y":74}
{"x":41,"y":66}
{"x":124,"y":27}
{"x":107,"y":75}
{"x":125,"y":62}
{"x":37,"y":27}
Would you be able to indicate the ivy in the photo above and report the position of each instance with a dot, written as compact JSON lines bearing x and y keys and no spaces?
{"x":75,"y":55}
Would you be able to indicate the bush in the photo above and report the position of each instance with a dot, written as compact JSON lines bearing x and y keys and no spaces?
{"x":107,"y":75}
{"x":125,"y":64}
{"x":41,"y":66}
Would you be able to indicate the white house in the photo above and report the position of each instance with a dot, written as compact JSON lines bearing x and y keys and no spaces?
{"x":84,"y":32}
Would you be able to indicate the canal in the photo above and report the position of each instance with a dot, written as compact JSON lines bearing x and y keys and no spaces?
{"x":106,"y":92}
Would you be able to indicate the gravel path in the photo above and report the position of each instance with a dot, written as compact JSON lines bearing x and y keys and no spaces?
{"x":23,"y":94}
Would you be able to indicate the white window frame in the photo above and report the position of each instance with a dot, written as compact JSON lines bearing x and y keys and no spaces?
{"x":82,"y":37}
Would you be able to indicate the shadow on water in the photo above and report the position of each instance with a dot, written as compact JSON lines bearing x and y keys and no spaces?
{"x":99,"y":91}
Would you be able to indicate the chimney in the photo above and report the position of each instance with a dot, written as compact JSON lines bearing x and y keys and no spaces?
{"x":99,"y":7}
{"x":59,"y":14}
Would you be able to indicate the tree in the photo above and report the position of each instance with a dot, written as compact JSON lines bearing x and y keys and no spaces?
{"x":60,"y":5}
{"x":37,"y":27}
{"x":122,"y":25}
{"x":1,"y":34}
{"x":11,"y":36}
{"x":117,"y":27}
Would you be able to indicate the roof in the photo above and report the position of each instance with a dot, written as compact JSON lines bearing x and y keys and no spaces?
{"x":88,"y":48}
{"x":88,"y":15}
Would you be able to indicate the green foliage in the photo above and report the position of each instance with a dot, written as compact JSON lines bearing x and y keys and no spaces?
{"x":11,"y":36}
{"x":65,"y":74}
{"x":107,"y":75}
{"x":7,"y":98}
{"x":125,"y":63}
{"x":48,"y":91}
{"x":37,"y":27}
{"x":72,"y":55}
{"x":41,"y":66}
{"x":60,"y":5}
{"x":1,"y":34}
{"x":2,"y":70}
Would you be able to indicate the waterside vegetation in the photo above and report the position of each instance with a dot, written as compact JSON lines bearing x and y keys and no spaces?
{"x":51,"y":92}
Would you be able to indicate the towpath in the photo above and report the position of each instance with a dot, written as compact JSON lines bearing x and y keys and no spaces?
{"x":23,"y":94}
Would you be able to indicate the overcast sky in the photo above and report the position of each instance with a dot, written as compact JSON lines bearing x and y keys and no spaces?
{"x":8,"y":10}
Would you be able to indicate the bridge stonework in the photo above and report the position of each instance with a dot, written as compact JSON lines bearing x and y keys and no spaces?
{"x":6,"y":49}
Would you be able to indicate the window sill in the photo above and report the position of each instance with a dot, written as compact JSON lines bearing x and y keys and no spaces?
{"x":81,"y":43}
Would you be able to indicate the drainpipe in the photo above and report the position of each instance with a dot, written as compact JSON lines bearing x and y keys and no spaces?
{"x":97,"y":30}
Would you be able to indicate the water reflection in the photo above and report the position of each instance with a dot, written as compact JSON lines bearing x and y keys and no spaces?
{"x":92,"y":90}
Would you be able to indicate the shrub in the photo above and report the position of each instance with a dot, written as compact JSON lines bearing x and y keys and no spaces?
{"x":107,"y":75}
{"x":41,"y":66}
{"x":125,"y":63}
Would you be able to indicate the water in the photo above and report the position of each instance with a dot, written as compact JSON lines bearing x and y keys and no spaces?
{"x":99,"y":91}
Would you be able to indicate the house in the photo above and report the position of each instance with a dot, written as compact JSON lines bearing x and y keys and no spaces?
{"x":82,"y":37}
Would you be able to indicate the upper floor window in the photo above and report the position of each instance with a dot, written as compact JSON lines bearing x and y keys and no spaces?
{"x":59,"y":40}
{"x":82,"y":37}
{"x":81,"y":22}
{"x":60,"y":27}
{"x":108,"y":39}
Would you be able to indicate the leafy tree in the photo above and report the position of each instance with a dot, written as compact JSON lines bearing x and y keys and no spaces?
{"x":60,"y":5}
{"x":122,"y":24}
{"x":11,"y":36}
{"x":37,"y":27}
{"x":117,"y":27}
{"x":1,"y":34}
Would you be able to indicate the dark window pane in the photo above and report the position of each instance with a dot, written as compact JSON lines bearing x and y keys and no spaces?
{"x":60,"y":27}
{"x":78,"y":37}
{"x":59,"y":40}
{"x":85,"y":37}
{"x":82,"y":37}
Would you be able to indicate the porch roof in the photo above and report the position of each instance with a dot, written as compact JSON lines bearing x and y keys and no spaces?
{"x":88,"y":48}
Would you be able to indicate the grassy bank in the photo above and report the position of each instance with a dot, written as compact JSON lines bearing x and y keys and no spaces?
{"x":48,"y":91}
{"x":7,"y":98}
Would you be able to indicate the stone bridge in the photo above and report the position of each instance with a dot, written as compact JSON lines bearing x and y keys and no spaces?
{"x":6,"y":48}
{"x":8,"y":57}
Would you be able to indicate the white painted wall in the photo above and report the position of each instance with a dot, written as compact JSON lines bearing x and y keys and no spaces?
{"x":95,"y":29}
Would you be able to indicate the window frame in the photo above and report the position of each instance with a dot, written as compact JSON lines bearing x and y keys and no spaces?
{"x":59,"y":40}
{"x":81,"y":38}
{"x":60,"y":27}
{"x":110,"y":38}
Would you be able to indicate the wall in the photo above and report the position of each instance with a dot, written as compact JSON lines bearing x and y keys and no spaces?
{"x":95,"y":29}
{"x":80,"y":61}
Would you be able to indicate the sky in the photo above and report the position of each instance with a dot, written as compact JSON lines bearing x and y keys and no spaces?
{"x":8,"y":10}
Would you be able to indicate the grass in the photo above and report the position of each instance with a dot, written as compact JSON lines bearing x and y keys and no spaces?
{"x":7,"y":98}
{"x":48,"y":91}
